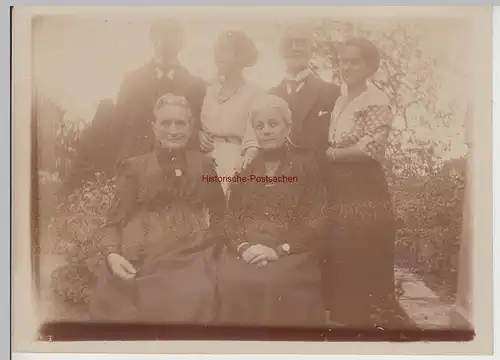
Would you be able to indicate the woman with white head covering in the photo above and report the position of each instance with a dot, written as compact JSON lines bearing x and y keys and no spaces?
{"x":269,"y":272}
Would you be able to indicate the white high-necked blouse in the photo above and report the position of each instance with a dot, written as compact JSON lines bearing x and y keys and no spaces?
{"x":228,"y":122}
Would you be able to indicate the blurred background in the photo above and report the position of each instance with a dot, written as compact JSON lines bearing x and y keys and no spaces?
{"x":79,"y":63}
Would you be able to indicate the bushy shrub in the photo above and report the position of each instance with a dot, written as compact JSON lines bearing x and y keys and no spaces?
{"x":74,"y":229}
{"x":431,"y":209}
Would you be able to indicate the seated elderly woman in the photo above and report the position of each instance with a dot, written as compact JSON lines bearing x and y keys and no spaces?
{"x":159,"y":264}
{"x":269,"y":273}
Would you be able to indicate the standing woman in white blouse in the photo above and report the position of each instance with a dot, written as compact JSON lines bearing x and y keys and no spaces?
{"x":359,"y":271}
{"x":226,"y":132}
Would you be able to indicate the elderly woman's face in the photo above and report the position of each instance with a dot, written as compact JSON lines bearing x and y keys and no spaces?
{"x":226,"y":59}
{"x":354,"y":69}
{"x":271,"y":129}
{"x":173,"y":126}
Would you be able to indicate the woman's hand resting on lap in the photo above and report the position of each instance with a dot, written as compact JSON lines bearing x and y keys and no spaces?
{"x":121,"y":267}
{"x":259,"y":255}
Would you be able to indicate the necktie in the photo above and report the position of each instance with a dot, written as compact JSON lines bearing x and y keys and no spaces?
{"x":291,"y":87}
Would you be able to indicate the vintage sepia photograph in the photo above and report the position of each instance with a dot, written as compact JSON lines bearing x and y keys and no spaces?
{"x":223,"y":175}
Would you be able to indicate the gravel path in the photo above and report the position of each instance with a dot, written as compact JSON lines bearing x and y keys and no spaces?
{"x":424,"y":307}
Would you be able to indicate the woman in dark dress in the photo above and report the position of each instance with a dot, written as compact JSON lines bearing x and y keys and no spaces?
{"x":159,"y":264}
{"x":269,"y":273}
{"x":359,"y":271}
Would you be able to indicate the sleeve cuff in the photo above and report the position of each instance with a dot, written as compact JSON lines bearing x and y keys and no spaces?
{"x":281,"y":252}
{"x":110,"y":240}
{"x":241,"y":248}
{"x":302,"y":240}
{"x":368,"y":146}
{"x":247,"y":145}
{"x":236,"y":244}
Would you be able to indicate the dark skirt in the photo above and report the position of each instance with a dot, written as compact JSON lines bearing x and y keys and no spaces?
{"x":167,"y":289}
{"x":358,"y":269}
{"x":286,"y":292}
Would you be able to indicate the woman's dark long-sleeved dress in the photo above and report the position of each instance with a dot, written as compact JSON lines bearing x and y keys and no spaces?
{"x":359,"y":267}
{"x":286,"y":292}
{"x":159,"y":223}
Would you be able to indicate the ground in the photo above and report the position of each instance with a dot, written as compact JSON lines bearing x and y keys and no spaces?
{"x":427,"y":308}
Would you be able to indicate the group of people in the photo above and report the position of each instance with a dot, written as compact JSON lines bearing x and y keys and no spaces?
{"x":313,"y":252}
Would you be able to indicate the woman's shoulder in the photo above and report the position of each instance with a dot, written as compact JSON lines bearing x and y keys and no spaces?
{"x":134,"y":164}
{"x":211,"y":90}
{"x":196,"y":158}
{"x":255,"y":90}
{"x":376,"y":97}
{"x":213,"y":85}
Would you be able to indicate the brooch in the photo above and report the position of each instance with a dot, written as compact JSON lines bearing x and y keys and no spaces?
{"x":178,"y":172}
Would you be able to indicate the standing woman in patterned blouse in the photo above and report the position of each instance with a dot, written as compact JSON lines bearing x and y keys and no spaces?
{"x":359,"y":270}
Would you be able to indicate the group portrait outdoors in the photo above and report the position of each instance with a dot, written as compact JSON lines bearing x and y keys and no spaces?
{"x":252,"y":172}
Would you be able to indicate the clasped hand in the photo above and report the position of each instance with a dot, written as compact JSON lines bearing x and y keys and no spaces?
{"x":121,"y":267}
{"x":259,"y":255}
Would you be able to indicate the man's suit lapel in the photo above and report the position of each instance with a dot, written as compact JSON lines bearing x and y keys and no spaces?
{"x":302,"y":102}
{"x":280,"y":90}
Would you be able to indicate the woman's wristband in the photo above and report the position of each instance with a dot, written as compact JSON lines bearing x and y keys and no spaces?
{"x":283,"y":249}
{"x":241,"y":248}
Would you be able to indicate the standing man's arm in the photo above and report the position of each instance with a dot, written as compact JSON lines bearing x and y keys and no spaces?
{"x":124,"y":119}
{"x":197,"y":96}
{"x":329,"y":97}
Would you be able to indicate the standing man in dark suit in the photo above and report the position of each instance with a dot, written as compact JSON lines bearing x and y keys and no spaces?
{"x":311,"y":99}
{"x":141,"y":88}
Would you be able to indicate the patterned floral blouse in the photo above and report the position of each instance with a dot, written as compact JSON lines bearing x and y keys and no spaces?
{"x":364,"y":122}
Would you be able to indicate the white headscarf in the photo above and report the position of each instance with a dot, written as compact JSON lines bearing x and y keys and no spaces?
{"x":268,"y":101}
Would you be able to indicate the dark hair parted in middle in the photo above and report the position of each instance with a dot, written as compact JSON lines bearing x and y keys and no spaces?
{"x":368,"y":51}
{"x":243,"y":47}
{"x":163,"y":27}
